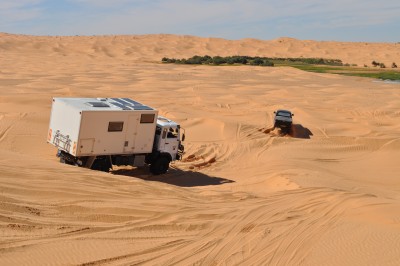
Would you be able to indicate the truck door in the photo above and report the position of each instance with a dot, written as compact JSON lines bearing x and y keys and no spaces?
{"x":162,"y":139}
{"x":86,"y":146}
{"x":172,"y":142}
{"x":130,"y":137}
{"x":159,"y":138}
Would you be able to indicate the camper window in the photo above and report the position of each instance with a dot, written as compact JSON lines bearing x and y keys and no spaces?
{"x":147,"y":118}
{"x":115,"y":126}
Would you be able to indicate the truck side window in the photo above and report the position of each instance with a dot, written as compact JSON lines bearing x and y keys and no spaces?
{"x":158,"y":130}
{"x":115,"y":126}
{"x":164,"y":133}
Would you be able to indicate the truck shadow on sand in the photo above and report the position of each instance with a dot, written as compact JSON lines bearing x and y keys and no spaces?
{"x":175,"y":177}
{"x":297,"y":131}
{"x":300,"y":132}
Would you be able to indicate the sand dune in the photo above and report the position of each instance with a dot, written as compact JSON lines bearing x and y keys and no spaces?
{"x":328,"y":194}
{"x":154,"y":47}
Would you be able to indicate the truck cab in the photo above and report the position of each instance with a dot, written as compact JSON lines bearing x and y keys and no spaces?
{"x":167,"y":146}
{"x":168,"y":138}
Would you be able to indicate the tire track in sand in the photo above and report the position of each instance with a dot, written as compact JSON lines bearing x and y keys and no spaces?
{"x":274,"y":230}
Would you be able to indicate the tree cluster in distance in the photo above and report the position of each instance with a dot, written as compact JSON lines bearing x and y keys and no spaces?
{"x":219,"y":60}
{"x":248,"y":60}
{"x":382,"y":65}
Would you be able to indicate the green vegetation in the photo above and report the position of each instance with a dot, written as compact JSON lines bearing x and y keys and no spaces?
{"x":318,"y":68}
{"x":318,"y":65}
{"x":352,"y":71}
{"x":249,"y":60}
{"x":219,"y":60}
{"x":384,"y":75}
{"x":308,"y":61}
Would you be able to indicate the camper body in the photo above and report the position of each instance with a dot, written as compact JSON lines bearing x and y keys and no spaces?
{"x":100,"y":132}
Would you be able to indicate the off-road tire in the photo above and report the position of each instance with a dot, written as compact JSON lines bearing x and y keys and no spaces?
{"x":160,"y":166}
{"x":101,"y":164}
{"x":62,"y":160}
{"x":286,"y":131}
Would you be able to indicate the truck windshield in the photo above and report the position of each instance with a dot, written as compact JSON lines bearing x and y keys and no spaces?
{"x":172,"y":133}
{"x":286,"y":114}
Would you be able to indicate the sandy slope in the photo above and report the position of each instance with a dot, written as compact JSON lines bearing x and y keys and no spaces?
{"x":327,"y":195}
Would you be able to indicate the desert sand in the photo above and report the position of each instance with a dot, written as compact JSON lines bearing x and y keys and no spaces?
{"x":328,"y":194}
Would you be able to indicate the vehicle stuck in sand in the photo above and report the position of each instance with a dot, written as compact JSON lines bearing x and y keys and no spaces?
{"x":283,"y":120}
{"x":97,"y":133}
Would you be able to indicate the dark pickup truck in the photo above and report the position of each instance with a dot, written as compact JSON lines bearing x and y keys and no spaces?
{"x":283,"y":120}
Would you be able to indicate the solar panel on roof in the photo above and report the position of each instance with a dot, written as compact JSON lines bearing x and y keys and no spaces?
{"x":121,"y":101}
{"x":132,"y":101}
{"x":128,"y":104}
{"x":142,"y":107}
{"x":97,"y":104}
{"x":123,"y":107}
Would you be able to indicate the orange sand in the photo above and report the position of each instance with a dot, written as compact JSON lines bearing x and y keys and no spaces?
{"x":327,"y":195}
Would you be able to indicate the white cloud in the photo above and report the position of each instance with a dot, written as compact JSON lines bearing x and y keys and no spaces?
{"x":12,"y":4}
{"x":21,"y":10}
{"x":112,"y":4}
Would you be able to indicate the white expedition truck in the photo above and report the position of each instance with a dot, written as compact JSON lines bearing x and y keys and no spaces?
{"x":97,"y":133}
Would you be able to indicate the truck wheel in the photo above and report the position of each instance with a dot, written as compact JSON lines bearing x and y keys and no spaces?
{"x":159,"y":166}
{"x":101,"y":164}
{"x":62,"y":160}
{"x":288,"y":130}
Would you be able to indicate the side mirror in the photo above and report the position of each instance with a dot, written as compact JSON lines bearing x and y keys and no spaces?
{"x":292,"y":114}
{"x":183,"y":137}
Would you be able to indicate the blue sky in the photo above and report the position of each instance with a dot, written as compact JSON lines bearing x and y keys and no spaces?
{"x":341,"y":20}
